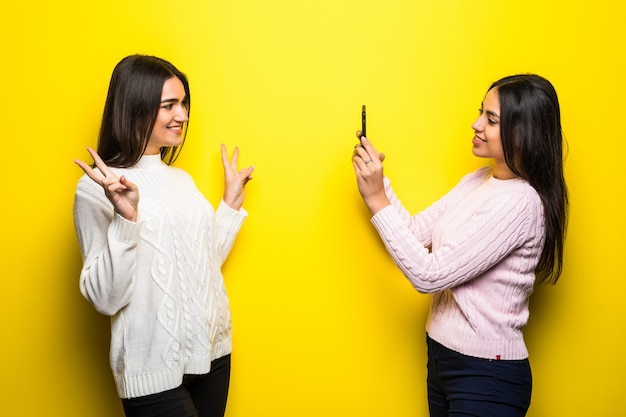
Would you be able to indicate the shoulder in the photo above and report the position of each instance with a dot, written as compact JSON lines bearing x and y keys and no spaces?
{"x":479,"y":190}
{"x":478,"y":176}
{"x":517,"y":189}
{"x":90,"y":197}
{"x":471,"y":181}
{"x":518,"y":196}
{"x":179,"y":176}
{"x":518,"y":186}
{"x":87,"y":186}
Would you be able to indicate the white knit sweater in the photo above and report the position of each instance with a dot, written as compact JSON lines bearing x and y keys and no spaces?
{"x":159,"y":278}
{"x":486,"y":236}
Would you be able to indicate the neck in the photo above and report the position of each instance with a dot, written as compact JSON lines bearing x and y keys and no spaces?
{"x":502,"y":171}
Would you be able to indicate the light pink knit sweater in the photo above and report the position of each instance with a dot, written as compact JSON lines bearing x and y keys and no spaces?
{"x":486,"y":236}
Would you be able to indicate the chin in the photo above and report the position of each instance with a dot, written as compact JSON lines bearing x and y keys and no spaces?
{"x":479,"y":154}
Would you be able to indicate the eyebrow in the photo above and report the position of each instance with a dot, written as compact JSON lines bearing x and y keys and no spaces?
{"x":489,"y":112}
{"x":492,"y":113}
{"x":169,"y":100}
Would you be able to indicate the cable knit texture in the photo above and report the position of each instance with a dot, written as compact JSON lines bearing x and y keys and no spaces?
{"x":158,"y":278}
{"x":485,"y":238}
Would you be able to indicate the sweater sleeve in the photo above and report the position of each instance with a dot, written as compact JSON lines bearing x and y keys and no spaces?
{"x":227,"y":223}
{"x":421,"y":225}
{"x":108,"y":245}
{"x":496,"y":228}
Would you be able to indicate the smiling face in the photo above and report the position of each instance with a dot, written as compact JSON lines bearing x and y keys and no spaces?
{"x":170,"y":122}
{"x":487,"y":142}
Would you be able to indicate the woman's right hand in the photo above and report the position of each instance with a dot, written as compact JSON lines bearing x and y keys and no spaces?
{"x":123,"y":194}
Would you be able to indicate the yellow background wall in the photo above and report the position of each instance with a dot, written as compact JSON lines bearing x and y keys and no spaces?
{"x":324,"y":324}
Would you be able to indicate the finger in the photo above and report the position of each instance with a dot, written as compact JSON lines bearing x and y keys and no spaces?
{"x":232,"y":163}
{"x":368,"y":146}
{"x":99,"y":162}
{"x":362,"y":153}
{"x":235,"y":159}
{"x":374,"y":155}
{"x":128,"y":185}
{"x":89,"y":171}
{"x":361,"y":162}
{"x":246,"y":175}
{"x":381,"y":156}
{"x":224,"y":156}
{"x":359,"y":166}
{"x":113,"y":187}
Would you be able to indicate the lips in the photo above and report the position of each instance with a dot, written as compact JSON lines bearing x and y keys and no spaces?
{"x":479,"y":140}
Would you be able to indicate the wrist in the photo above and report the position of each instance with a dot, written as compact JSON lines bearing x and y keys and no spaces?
{"x":234,"y":204}
{"x":377,"y":203}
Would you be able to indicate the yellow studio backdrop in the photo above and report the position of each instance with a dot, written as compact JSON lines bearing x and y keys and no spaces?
{"x":324,"y":323}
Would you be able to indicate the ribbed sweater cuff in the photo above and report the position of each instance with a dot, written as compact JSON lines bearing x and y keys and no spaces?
{"x":123,"y":230}
{"x":385,"y":219}
{"x":230,"y":218}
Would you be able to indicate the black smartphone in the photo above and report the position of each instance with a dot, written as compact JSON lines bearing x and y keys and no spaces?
{"x":363,"y":133}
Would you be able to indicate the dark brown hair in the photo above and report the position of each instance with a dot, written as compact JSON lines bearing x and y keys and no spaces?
{"x":532,"y":141}
{"x":131,"y":109}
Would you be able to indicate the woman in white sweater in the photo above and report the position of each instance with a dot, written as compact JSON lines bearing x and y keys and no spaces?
{"x":480,"y":248}
{"x":154,"y":263}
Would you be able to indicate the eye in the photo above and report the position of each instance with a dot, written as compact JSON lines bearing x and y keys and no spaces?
{"x":492,"y":122}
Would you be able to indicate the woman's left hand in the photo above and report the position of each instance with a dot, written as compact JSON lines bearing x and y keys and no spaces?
{"x":234,"y":179}
{"x":368,"y":167}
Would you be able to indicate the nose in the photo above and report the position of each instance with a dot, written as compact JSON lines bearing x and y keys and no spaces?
{"x":477,"y":125}
{"x":182,"y":114}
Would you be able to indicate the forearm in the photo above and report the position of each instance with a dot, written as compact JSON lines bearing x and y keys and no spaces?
{"x":467,"y":253}
{"x":108,"y":245}
{"x":108,"y":273}
{"x":226,"y":223}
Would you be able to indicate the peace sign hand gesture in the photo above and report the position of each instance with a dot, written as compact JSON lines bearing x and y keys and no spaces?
{"x":235,"y":179}
{"x":123,"y":194}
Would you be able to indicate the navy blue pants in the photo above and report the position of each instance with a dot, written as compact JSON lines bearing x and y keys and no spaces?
{"x":463,"y":386}
{"x":198,"y":396}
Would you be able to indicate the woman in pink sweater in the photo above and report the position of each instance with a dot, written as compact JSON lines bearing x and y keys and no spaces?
{"x":481,"y":247}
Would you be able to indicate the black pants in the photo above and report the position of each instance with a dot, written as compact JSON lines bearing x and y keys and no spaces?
{"x":463,"y":386}
{"x":198,"y":396}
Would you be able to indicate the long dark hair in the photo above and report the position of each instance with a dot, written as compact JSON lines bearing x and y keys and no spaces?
{"x":131,"y":108}
{"x":532,"y":141}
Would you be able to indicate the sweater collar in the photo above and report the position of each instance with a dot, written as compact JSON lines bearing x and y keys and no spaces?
{"x":511,"y":181}
{"x":149,"y":161}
